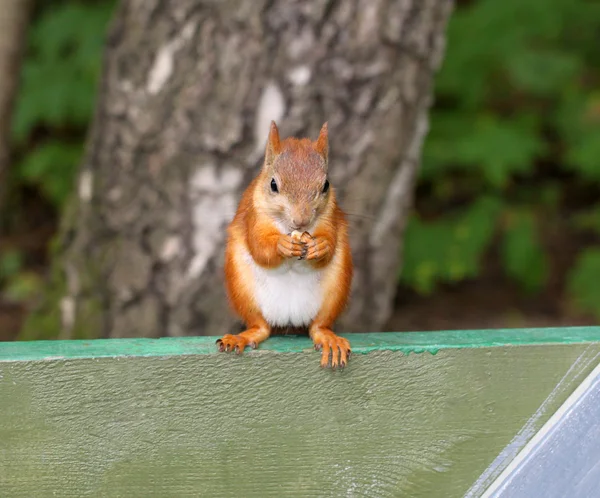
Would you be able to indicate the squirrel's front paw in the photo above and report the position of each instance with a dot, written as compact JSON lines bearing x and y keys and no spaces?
{"x":318,"y":249}
{"x":290,"y":247}
{"x":237,"y":343}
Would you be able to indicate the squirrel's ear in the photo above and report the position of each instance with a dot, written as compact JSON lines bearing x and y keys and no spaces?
{"x":322,"y":143}
{"x":273,"y":144}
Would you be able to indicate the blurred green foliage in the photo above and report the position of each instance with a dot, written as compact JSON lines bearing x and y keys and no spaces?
{"x":583,"y":282}
{"x":59,"y":75}
{"x":515,"y":136}
{"x":56,"y":98}
{"x":448,"y":249}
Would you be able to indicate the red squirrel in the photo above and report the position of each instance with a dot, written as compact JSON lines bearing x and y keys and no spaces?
{"x":287,"y":259}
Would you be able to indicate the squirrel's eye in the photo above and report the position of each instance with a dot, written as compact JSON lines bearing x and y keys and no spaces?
{"x":274,"y":187}
{"x":326,"y":186}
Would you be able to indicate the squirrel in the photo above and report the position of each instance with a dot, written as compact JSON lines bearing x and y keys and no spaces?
{"x":287,"y":259}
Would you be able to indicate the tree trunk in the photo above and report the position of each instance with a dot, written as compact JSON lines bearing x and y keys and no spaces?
{"x":14,"y":17}
{"x":188,"y":91}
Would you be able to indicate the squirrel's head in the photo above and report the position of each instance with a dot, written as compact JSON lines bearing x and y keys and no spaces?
{"x":293,"y":184}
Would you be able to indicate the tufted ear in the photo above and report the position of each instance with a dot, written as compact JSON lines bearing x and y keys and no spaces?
{"x":273,"y":145}
{"x":322,"y":143}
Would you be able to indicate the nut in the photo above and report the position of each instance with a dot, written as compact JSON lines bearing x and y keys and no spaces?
{"x":302,"y":237}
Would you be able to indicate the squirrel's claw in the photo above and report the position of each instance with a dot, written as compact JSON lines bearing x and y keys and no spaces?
{"x":235,"y":343}
{"x":335,"y":350}
{"x":288,"y":247}
{"x":318,"y":249}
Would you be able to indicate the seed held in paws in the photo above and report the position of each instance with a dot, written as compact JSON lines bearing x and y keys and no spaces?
{"x":301,"y":237}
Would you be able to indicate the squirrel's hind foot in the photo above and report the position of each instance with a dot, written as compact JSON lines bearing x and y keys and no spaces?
{"x":335,"y":350}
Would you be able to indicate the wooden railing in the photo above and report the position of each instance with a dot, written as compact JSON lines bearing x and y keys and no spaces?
{"x":173,"y":417}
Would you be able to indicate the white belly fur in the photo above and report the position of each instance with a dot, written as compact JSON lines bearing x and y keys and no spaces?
{"x":288,"y":295}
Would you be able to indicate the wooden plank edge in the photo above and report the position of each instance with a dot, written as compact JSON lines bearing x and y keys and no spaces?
{"x":403,"y":342}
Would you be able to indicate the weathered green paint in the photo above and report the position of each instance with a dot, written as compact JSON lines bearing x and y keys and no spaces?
{"x":171,"y":417}
{"x":405,"y":342}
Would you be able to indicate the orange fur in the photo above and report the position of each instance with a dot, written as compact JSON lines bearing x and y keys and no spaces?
{"x":261,"y":228}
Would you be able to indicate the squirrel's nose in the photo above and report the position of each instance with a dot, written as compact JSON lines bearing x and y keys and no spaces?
{"x":300,"y":222}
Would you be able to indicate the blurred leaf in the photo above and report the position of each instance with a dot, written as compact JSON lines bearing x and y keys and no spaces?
{"x":588,"y":219}
{"x":23,"y":287}
{"x":522,"y":252}
{"x":497,"y":148}
{"x":517,"y":107}
{"x":583,"y":282}
{"x":449,"y":249}
{"x":52,"y":166}
{"x":483,"y":37}
{"x":63,"y":25}
{"x":578,"y":119}
{"x":584,"y":154}
{"x":11,"y":262}
{"x":548,"y":195}
{"x":543,"y":71}
{"x":60,"y":73}
{"x":502,"y":148}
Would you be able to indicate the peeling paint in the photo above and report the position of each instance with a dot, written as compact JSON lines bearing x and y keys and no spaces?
{"x":204,"y":178}
{"x":171,"y":248}
{"x":300,"y":75}
{"x":271,"y":107}
{"x":300,"y":46}
{"x":399,"y":189}
{"x":67,"y":312}
{"x":85,"y":185}
{"x":401,"y":185}
{"x":115,"y":194}
{"x":162,"y":69}
{"x":213,"y":194}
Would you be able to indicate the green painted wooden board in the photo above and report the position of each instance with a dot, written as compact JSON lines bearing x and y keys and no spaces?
{"x":171,"y":417}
